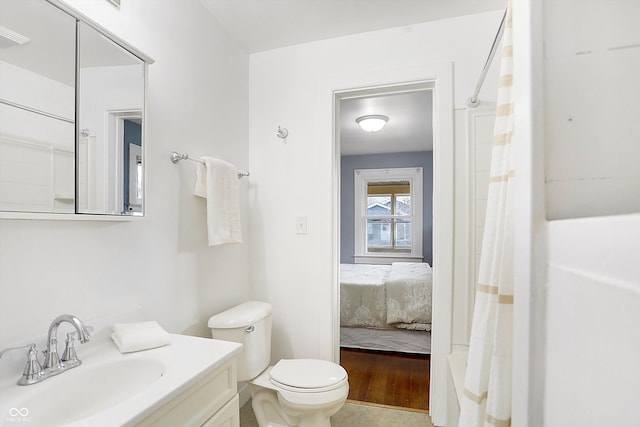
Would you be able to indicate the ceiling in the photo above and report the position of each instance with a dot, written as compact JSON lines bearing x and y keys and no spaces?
{"x":410,"y":125}
{"x":260,"y":25}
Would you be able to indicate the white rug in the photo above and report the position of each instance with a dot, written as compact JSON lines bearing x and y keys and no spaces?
{"x":400,"y":340}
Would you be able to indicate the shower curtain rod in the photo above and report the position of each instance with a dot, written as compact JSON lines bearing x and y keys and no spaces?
{"x":473,"y":101}
{"x":176,"y":157}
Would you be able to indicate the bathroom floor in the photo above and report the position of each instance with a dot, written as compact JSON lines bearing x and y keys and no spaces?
{"x":358,"y":415}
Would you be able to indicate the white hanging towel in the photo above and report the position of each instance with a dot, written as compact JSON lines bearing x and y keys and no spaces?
{"x":217,"y":181}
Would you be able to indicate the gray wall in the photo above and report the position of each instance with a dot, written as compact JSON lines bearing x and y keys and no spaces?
{"x":422,"y":159}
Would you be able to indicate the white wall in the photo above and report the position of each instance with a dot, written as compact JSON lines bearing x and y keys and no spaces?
{"x":197,"y":103}
{"x":591,"y":120}
{"x":592,"y":291}
{"x":593,"y":342}
{"x":576,"y":295}
{"x":294,"y":177}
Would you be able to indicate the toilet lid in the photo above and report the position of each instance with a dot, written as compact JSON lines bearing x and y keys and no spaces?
{"x":307,"y":374}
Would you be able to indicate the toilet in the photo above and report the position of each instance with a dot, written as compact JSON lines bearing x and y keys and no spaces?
{"x":293,"y":392}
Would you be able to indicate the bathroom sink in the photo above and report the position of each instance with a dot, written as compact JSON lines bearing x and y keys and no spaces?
{"x":110,"y":388}
{"x":84,"y":392}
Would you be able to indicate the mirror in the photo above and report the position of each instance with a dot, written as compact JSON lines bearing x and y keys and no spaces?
{"x":71,"y":114}
{"x":110,"y":111}
{"x":37,"y":107}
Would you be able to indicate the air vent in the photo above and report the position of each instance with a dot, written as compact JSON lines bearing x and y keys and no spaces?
{"x":9,"y":38}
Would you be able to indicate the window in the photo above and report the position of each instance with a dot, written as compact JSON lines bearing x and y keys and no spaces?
{"x":388,"y":215}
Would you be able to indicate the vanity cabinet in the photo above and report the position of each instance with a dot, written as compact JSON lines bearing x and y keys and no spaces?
{"x":212,"y":402}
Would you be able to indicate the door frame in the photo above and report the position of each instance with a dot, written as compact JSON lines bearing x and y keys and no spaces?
{"x":114,"y":153}
{"x":440,"y":75}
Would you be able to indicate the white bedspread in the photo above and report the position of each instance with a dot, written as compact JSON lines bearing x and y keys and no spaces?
{"x":386,"y":296}
{"x":363,"y":296}
{"x":409,"y":291}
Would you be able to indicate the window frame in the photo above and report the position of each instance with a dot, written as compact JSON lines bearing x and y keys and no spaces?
{"x":362,"y":177}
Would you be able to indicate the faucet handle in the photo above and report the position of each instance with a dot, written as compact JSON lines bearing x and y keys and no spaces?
{"x":86,"y":332}
{"x":33,"y":372}
{"x":69,"y":356}
{"x":10,"y":349}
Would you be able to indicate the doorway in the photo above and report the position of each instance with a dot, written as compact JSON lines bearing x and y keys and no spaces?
{"x":438,"y":77}
{"x":386,"y":223}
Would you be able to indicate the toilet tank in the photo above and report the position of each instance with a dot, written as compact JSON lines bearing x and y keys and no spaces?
{"x":249,"y":324}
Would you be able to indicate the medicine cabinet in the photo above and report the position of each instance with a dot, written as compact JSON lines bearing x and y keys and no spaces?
{"x":72,"y":101}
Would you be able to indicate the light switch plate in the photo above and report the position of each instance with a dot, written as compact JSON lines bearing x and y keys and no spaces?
{"x":301,"y":225}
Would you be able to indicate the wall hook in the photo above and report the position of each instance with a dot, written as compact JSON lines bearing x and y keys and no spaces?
{"x":282,"y":132}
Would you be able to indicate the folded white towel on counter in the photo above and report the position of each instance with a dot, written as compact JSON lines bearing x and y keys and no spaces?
{"x":137,"y":336}
{"x":217,"y":181}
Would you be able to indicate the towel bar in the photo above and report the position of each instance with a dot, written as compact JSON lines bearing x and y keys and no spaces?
{"x":176,"y":157}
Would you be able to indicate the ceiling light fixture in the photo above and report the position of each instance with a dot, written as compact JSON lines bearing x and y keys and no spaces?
{"x":372,"y":123}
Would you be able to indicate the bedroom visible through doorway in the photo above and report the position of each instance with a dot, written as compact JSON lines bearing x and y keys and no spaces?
{"x":386,"y":233}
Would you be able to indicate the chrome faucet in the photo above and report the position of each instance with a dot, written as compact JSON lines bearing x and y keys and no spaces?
{"x":52,"y":362}
{"x":53,"y":365}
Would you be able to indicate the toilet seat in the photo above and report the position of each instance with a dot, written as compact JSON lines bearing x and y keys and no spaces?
{"x":307,"y":375}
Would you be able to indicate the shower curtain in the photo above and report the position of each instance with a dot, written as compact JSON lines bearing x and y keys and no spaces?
{"x":487,"y":384}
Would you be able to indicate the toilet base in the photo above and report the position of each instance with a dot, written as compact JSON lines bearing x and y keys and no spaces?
{"x":267,"y":410}
{"x":273,"y":407}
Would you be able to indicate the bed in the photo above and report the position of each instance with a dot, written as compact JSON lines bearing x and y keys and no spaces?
{"x":386,"y":296}
{"x":386,"y":307}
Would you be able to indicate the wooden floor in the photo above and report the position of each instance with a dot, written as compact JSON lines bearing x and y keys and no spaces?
{"x":384,"y":378}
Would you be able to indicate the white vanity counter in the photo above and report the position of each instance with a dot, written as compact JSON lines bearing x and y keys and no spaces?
{"x":114,"y":389}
